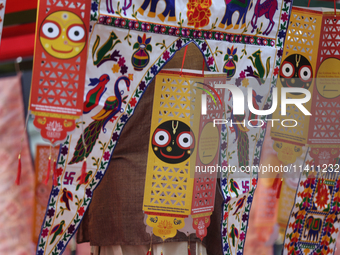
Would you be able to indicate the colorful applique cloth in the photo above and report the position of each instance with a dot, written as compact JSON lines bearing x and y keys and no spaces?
{"x":313,"y":226}
{"x":129,"y":44}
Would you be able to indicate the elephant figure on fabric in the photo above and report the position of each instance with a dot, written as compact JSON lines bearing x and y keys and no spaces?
{"x":240,"y":6}
{"x":169,"y":9}
{"x":313,"y":225}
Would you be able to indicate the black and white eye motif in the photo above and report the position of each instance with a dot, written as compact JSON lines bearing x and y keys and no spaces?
{"x":296,"y":72}
{"x":173,"y":142}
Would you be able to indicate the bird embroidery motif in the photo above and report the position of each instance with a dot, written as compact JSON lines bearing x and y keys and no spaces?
{"x":260,"y":73}
{"x":94,"y":95}
{"x":87,"y":178}
{"x":102,"y":54}
{"x":234,"y":187}
{"x":67,"y":195}
{"x":233,"y":234}
{"x":111,"y":107}
{"x":57,"y":230}
{"x":239,"y":204}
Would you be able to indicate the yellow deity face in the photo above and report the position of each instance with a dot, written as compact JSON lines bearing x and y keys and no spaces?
{"x":63,"y":34}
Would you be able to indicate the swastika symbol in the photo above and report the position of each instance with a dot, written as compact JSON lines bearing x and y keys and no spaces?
{"x":68,"y":179}
{"x":245,"y":186}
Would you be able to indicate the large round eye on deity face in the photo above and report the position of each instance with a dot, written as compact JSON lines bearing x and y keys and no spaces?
{"x":161,"y":137}
{"x":305,"y":73}
{"x":173,"y":142}
{"x":63,"y":35}
{"x":296,"y":72}
{"x":184,"y":140}
{"x":287,"y":70}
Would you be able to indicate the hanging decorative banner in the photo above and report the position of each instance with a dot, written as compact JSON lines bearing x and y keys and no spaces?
{"x":130,"y":44}
{"x":242,"y":139}
{"x":59,"y":66}
{"x":41,"y":189}
{"x":289,"y":187}
{"x":298,"y":69}
{"x":168,"y":186}
{"x":2,"y":15}
{"x":208,"y":144}
{"x":313,"y":221}
{"x":265,"y":201}
{"x":324,"y":139}
{"x":16,"y":201}
{"x":175,"y":141}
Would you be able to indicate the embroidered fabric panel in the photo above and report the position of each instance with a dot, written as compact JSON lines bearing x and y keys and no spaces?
{"x":241,"y":146}
{"x":125,"y":54}
{"x":312,"y":226}
{"x":238,"y":201}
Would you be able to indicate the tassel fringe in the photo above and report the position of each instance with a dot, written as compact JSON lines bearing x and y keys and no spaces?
{"x":149,"y":252}
{"x":17,"y":181}
{"x":55,"y":178}
{"x":48,"y":171}
{"x":279,"y":190}
{"x":276,"y":182}
{"x":83,"y":172}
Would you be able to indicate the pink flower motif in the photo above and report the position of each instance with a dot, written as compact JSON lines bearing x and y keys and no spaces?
{"x":225,"y":163}
{"x":210,"y":61}
{"x":121,"y":61}
{"x":166,"y":55}
{"x":242,"y":236}
{"x":242,"y":74}
{"x":284,"y":17}
{"x":44,"y":233}
{"x":106,"y":155}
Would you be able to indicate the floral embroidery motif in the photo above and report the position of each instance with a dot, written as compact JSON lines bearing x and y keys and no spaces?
{"x":198,"y":13}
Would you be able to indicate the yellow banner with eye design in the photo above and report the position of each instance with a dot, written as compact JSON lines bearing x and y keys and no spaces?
{"x":173,"y":146}
{"x":298,"y":70}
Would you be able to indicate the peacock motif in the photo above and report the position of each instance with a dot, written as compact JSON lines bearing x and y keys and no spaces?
{"x":91,"y":133}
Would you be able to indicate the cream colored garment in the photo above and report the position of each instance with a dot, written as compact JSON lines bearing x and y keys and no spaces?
{"x":178,"y":248}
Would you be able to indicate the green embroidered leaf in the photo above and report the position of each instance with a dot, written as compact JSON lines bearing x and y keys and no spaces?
{"x":149,"y":47}
{"x":136,"y":45}
{"x":42,"y":243}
